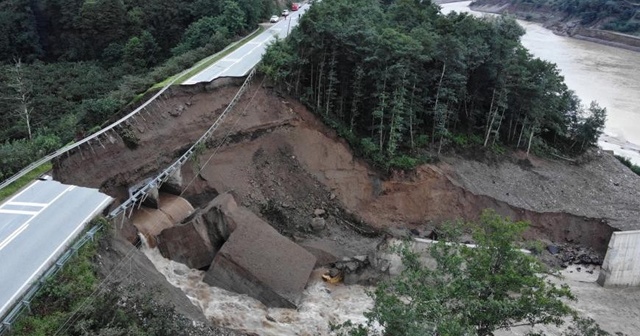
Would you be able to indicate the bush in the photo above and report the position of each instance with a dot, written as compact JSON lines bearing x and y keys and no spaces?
{"x":460,"y":140}
{"x":404,"y":162}
{"x":18,"y":154}
{"x":625,"y":161}
{"x":422,"y":140}
{"x":467,"y":291}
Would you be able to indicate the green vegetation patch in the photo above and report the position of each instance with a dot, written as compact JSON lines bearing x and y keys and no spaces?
{"x":210,"y":60}
{"x":23,"y":181}
{"x":403,"y":82}
{"x":471,"y":290}
{"x":78,"y":302}
{"x":625,"y":161}
{"x":616,"y":15}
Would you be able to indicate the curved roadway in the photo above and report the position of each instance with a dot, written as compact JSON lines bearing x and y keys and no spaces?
{"x":39,"y":223}
{"x":242,"y":60}
{"x":36,"y":226}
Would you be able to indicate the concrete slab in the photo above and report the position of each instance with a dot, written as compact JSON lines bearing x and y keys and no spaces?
{"x":188,"y":244}
{"x":259,"y":262}
{"x":621,"y":266}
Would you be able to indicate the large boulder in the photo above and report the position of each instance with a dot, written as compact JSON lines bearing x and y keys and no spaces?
{"x":188,"y":244}
{"x":256,"y":260}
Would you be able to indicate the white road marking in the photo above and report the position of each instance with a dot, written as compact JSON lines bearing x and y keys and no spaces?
{"x":19,"y":212}
{"x":273,"y":31}
{"x":243,"y":56}
{"x":27,"y":204}
{"x":54,"y":254}
{"x":21,"y":192}
{"x":15,"y":233}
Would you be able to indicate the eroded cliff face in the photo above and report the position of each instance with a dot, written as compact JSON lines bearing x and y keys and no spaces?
{"x":280,"y":161}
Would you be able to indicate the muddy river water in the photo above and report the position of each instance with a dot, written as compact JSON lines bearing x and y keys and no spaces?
{"x":608,"y":75}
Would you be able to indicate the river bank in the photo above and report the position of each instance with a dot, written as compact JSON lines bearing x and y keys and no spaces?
{"x":596,"y":72}
{"x":558,"y":23}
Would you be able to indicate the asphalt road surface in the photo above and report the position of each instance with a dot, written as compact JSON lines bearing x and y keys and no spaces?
{"x":36,"y":226}
{"x":243,"y":59}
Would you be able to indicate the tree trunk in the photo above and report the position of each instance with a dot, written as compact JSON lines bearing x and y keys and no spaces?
{"x":499,"y":124}
{"x":492,"y":117}
{"x":413,"y":93}
{"x":27,"y":118}
{"x":435,"y":108}
{"x":521,"y":131}
{"x":530,"y":138}
{"x":320,"y":73}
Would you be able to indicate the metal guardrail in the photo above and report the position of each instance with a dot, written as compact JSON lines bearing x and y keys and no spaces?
{"x":156,"y":182}
{"x":139,"y":195}
{"x":25,"y":303}
{"x":74,"y":145}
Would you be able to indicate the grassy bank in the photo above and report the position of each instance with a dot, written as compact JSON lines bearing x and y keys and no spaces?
{"x":79,"y":301}
{"x":23,"y":181}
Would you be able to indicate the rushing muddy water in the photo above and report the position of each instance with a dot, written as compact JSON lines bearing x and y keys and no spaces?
{"x":608,"y":75}
{"x":322,"y":304}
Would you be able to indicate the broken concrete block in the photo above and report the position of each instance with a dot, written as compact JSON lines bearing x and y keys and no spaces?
{"x":174,"y":184}
{"x":259,"y":262}
{"x":323,"y":256}
{"x":152,"y":199}
{"x":188,"y":244}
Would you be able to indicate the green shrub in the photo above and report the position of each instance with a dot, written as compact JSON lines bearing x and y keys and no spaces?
{"x":404,"y":162}
{"x":627,"y":162}
{"x":498,"y":149}
{"x":460,"y":140}
{"x":422,"y":140}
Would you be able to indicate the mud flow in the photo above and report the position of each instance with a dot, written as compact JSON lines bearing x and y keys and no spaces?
{"x":284,"y":165}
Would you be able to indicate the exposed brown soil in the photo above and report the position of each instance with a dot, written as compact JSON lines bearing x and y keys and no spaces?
{"x":279,"y":160}
{"x":283,"y":163}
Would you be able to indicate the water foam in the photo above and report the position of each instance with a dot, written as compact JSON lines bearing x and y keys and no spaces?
{"x":322,"y":304}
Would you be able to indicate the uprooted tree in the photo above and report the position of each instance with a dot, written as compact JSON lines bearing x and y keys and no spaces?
{"x":471,"y":291}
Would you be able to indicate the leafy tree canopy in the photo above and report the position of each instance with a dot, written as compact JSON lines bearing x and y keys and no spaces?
{"x":399,"y":76}
{"x":471,"y":290}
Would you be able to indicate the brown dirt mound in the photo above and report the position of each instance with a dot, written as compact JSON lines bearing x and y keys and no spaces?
{"x":279,"y":160}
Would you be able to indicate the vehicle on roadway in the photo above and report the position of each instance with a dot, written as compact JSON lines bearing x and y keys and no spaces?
{"x":285,"y":12}
{"x":274,"y":18}
{"x":45,"y":177}
{"x":295,"y":6}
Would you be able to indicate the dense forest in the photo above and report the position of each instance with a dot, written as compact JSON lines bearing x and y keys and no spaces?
{"x":66,"y":66}
{"x":618,"y":15}
{"x":396,"y":77}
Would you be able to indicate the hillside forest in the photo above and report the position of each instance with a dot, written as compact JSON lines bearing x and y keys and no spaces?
{"x":67,"y":66}
{"x":401,"y":81}
{"x":617,"y":15}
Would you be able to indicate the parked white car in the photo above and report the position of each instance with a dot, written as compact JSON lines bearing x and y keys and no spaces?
{"x":45,"y":177}
{"x":274,"y":18}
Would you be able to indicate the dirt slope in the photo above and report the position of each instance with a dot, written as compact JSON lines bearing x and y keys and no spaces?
{"x":279,"y":160}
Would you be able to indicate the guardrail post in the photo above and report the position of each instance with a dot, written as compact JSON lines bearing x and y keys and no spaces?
{"x":27,"y":304}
